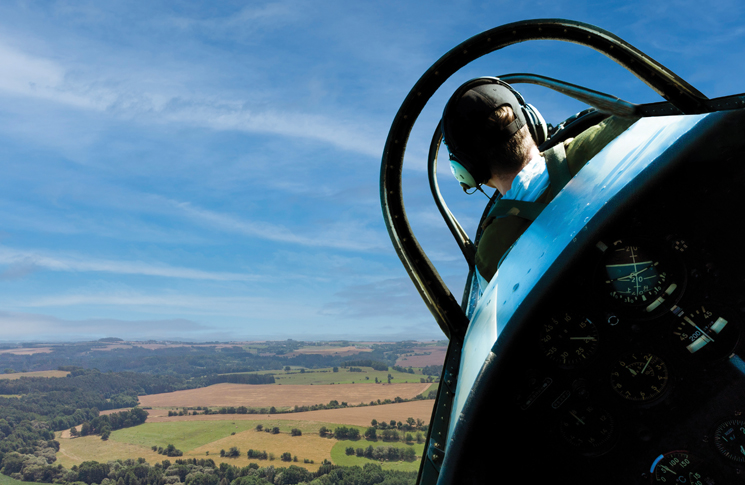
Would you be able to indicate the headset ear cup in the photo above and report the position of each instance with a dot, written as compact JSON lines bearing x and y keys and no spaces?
{"x":462,"y":175}
{"x":536,"y":123}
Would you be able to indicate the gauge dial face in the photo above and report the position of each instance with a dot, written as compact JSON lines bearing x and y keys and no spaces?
{"x":588,"y":428}
{"x":679,"y":467}
{"x":708,"y":331}
{"x":636,"y":276}
{"x":568,"y":339}
{"x":729,"y":439}
{"x":639,"y":377}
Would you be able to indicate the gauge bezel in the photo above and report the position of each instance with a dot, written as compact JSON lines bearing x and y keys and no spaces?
{"x":650,"y":305}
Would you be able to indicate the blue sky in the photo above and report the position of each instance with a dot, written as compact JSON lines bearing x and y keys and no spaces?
{"x":209,"y":170}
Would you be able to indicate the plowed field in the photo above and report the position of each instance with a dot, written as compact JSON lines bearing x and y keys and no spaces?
{"x":266,"y":395}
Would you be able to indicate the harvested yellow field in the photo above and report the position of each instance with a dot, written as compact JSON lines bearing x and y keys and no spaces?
{"x":267,"y":395}
{"x":338,"y":351}
{"x":358,"y":416}
{"x":77,"y":450}
{"x":312,"y":447}
{"x":40,"y":373}
{"x":27,"y":351}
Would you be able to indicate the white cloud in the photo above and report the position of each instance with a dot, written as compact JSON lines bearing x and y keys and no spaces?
{"x":350,"y":235}
{"x":25,"y":259}
{"x":28,"y":76}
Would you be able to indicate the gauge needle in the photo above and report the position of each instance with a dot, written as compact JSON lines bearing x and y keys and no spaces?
{"x":633,"y":372}
{"x":645,"y":365}
{"x":630,"y":275}
{"x":666,"y":468}
{"x":576,"y":417}
{"x":705,"y":335}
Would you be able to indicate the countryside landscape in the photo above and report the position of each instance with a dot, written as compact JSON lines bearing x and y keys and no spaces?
{"x":113,"y":412}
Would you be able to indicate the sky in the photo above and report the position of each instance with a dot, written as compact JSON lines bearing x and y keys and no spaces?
{"x":191,"y":170}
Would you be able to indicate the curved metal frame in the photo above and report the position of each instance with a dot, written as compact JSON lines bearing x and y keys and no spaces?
{"x":438,"y":298}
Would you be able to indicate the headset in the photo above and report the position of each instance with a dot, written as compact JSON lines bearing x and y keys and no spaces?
{"x":468,"y":170}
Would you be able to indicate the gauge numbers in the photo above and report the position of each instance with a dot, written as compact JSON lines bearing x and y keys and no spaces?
{"x":708,"y":330}
{"x":640,"y":377}
{"x":636,"y":276}
{"x":568,"y":339}
{"x":588,"y":428}
{"x":679,"y":467}
{"x":729,"y":439}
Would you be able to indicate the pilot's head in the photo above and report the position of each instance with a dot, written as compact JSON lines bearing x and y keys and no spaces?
{"x":489,"y":131}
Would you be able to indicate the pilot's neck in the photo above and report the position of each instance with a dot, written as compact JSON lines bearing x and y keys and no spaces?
{"x":503,"y":183}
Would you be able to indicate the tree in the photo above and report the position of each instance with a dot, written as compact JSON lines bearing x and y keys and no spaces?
{"x":335,"y":369}
{"x":275,"y":430}
{"x":259,"y":427}
{"x":371,"y":433}
{"x":296,"y":432}
{"x":286,"y":456}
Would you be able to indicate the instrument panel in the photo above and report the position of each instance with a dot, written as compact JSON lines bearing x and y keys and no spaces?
{"x":626,"y":350}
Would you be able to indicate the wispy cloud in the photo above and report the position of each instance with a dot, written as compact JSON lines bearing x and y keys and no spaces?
{"x":16,"y":326}
{"x":349,"y":235}
{"x":31,"y":76}
{"x":22,"y":262}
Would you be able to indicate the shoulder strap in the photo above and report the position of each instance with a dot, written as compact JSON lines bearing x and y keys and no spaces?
{"x":558,"y":168}
{"x":558,"y":174}
{"x":520,"y":208}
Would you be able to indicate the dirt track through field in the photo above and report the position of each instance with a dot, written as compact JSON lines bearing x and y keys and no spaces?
{"x":359,"y":416}
{"x":266,"y":395}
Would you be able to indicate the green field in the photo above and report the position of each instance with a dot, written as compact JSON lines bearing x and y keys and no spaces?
{"x":200,"y":439}
{"x":188,"y":435}
{"x":340,"y":457}
{"x":327,"y":376}
{"x":6,"y":480}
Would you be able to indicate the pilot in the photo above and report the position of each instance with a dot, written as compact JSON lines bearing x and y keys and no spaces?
{"x":493,"y":136}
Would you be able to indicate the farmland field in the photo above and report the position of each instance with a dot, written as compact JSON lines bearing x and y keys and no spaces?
{"x":358,"y":416}
{"x":264,"y":395}
{"x":199,"y":439}
{"x":40,"y":373}
{"x":340,"y":457}
{"x":423,"y":357}
{"x":344,"y":376}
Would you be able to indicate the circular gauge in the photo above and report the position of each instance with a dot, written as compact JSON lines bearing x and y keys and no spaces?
{"x":709,"y":331}
{"x":588,"y":428}
{"x":680,"y":467}
{"x":729,"y":439}
{"x":639,"y":376}
{"x":569,"y":340}
{"x":639,"y":276}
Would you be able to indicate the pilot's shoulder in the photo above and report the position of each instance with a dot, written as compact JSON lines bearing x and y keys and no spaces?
{"x":586,"y":145}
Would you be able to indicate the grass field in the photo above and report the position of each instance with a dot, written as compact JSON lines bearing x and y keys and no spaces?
{"x":266,"y":395}
{"x":6,"y":480}
{"x":339,"y":455}
{"x":207,"y":438}
{"x":327,"y":376}
{"x":39,"y":373}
